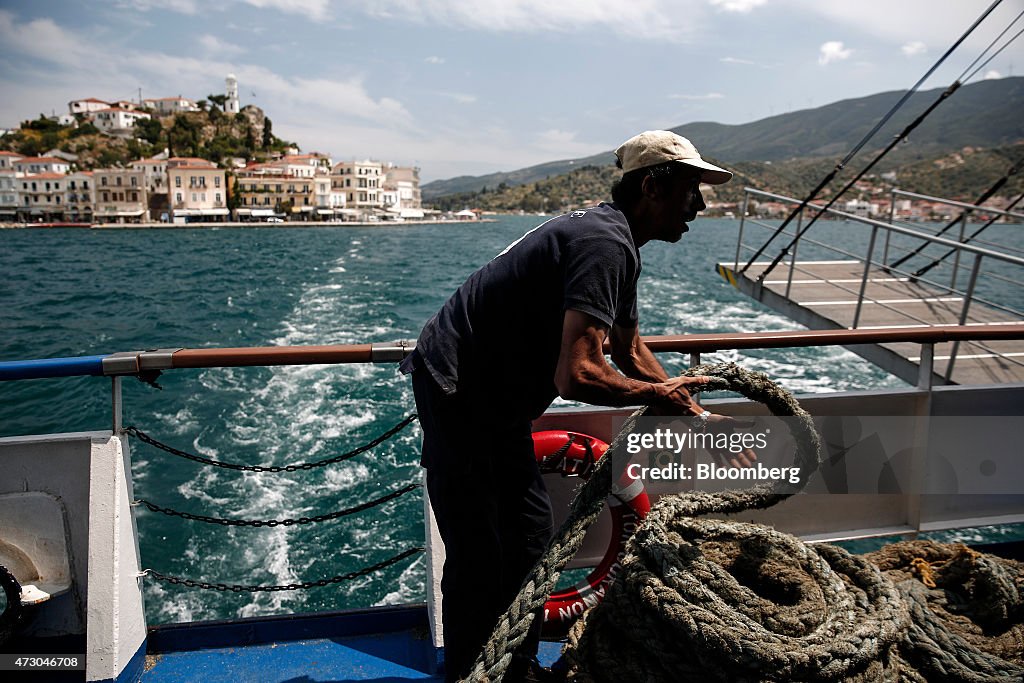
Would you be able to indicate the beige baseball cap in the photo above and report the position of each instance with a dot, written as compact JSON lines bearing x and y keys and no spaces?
{"x":658,"y":146}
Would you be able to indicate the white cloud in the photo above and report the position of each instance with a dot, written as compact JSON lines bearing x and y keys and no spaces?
{"x":434,"y":59}
{"x":314,"y":9}
{"x":992,"y":74}
{"x":833,"y":51}
{"x":650,"y":19}
{"x":180,"y":6}
{"x":708,"y":96}
{"x":329,"y":103}
{"x":914,"y":48}
{"x":906,"y":20}
{"x":43,"y":39}
{"x":460,"y":97}
{"x":742,"y":6}
{"x":734,"y":60}
{"x":560,"y":144}
{"x":213,"y":45}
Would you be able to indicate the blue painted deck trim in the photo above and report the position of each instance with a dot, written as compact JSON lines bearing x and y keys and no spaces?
{"x":384,"y":658}
{"x":202,"y":635}
{"x":379,"y":644}
{"x":52,"y":367}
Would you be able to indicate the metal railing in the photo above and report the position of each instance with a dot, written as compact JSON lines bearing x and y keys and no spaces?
{"x":958,"y":248}
{"x":148,"y":363}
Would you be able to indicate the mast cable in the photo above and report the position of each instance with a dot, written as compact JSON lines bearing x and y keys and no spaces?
{"x":994,"y":41}
{"x":949,"y":226}
{"x":924,"y":269}
{"x":914,"y":124}
{"x":839,"y":167}
{"x":1015,"y":37}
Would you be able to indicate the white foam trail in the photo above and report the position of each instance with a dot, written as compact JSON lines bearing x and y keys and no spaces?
{"x":411,"y":585}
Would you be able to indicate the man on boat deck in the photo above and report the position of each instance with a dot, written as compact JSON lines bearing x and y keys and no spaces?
{"x":529,"y":326}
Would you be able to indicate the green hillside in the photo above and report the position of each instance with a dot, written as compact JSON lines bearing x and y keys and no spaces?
{"x":962,"y":174}
{"x":207,"y":134}
{"x":985,"y":114}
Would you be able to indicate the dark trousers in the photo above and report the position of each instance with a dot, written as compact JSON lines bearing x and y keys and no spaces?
{"x":493,"y":514}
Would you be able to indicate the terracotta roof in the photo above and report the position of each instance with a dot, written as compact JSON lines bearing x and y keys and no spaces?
{"x":11,"y":154}
{"x":127,"y":111}
{"x":44,"y":176}
{"x":190,"y":162}
{"x":92,"y":99}
{"x":41,"y":160}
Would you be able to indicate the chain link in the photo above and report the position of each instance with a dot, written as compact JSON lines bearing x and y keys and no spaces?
{"x":235,"y":588}
{"x":280,"y":522}
{"x":146,"y":438}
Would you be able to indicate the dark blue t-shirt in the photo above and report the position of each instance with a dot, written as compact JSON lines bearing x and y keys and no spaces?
{"x":498,"y":336}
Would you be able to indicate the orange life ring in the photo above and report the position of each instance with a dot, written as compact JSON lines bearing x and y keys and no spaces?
{"x":571,"y":453}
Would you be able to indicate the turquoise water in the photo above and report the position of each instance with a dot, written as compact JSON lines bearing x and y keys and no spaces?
{"x":82,"y":292}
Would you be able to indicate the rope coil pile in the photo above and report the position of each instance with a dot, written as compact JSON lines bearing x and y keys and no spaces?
{"x":710,"y":600}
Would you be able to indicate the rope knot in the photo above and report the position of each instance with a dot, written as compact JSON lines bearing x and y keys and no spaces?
{"x":923,"y":569}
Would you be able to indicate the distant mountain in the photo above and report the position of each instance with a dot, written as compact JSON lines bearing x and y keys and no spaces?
{"x":961,"y":174}
{"x":983,"y":114}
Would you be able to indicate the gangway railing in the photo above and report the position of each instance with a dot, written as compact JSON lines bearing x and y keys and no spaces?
{"x":979,"y":275}
{"x":968,"y":212}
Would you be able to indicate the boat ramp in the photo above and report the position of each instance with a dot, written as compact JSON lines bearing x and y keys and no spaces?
{"x":880,"y":275}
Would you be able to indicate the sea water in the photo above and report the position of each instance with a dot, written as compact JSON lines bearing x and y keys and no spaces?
{"x":71,"y":292}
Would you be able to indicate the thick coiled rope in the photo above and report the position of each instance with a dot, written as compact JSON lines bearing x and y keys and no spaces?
{"x":707,"y":600}
{"x":710,"y":600}
{"x":512,"y":627}
{"x":967,"y":610}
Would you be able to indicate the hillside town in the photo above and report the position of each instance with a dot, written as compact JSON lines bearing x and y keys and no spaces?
{"x":167,"y":189}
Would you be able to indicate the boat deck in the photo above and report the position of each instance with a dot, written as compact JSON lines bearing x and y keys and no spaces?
{"x":382,"y":644}
{"x":825,"y":294}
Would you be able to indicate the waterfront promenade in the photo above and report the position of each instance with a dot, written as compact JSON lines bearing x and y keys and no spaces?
{"x":243,"y":224}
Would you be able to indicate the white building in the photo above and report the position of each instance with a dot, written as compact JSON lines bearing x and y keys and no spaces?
{"x":361,"y":181}
{"x":262,"y":194}
{"x":8,"y":195}
{"x":79,"y":197}
{"x":7,"y":160}
{"x":295,"y":165}
{"x":87,"y":106}
{"x":197,"y":190}
{"x":861,"y":207}
{"x":231,"y":103}
{"x":41,"y":165}
{"x":41,"y":197}
{"x":154,"y":173}
{"x":114,"y":121}
{"x":170,"y":105}
{"x":402,"y":191}
{"x":119,"y":196}
{"x":64,"y":119}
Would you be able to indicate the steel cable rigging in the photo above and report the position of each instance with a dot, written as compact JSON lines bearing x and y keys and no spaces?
{"x":839,"y":167}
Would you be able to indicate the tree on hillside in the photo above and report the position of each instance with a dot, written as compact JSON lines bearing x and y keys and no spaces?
{"x":42,"y":124}
{"x":149,"y":130}
{"x":219,"y":100}
{"x":268,"y":133}
{"x":183,"y":137}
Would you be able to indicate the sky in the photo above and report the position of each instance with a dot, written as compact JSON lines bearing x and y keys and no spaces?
{"x":468,"y":87}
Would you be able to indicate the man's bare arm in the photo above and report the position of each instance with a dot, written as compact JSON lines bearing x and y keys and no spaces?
{"x":632,"y":356}
{"x":583,"y":374}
